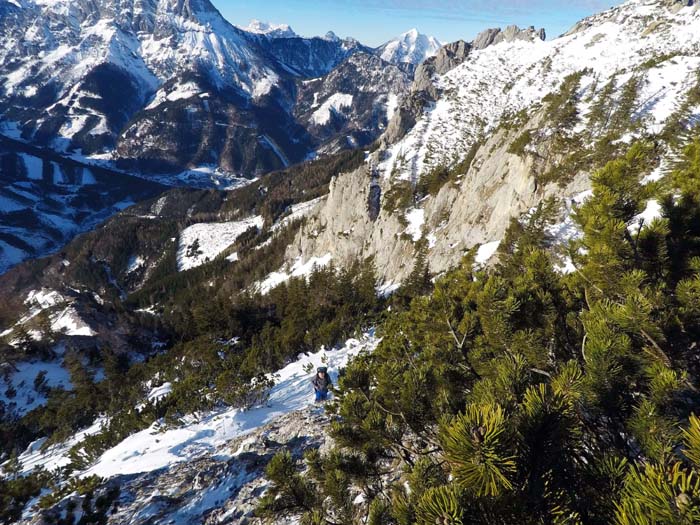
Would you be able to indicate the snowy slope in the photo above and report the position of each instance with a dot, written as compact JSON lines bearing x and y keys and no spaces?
{"x":160,"y":446}
{"x":410,"y":47}
{"x":300,"y":268}
{"x":18,"y":391}
{"x":46,"y":200}
{"x":335,"y":104}
{"x":510,"y":76}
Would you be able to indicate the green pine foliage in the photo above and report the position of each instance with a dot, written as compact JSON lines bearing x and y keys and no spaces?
{"x":519,"y":395}
{"x":520,"y":144}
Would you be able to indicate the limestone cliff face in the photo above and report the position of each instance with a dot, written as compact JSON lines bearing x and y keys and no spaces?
{"x":342,"y":226}
{"x":474,"y":209}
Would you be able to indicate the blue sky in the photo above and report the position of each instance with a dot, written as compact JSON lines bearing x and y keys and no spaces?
{"x":376,"y":21}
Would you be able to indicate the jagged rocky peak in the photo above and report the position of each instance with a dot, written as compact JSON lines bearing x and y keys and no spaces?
{"x":511,"y":33}
{"x":125,"y":11}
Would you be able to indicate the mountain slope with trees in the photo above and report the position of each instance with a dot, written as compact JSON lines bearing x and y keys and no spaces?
{"x":554,"y":382}
{"x":521,"y":395}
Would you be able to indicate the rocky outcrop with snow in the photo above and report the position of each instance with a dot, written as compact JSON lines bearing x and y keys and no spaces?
{"x":659,"y":45}
{"x":209,"y":469}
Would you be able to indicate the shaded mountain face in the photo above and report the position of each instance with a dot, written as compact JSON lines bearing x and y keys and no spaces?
{"x":347,"y":107}
{"x":311,"y":57}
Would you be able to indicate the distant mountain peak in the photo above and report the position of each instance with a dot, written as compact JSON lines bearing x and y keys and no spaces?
{"x":410,"y":47}
{"x":271,"y":30}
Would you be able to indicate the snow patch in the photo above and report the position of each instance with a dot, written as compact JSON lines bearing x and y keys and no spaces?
{"x":202,"y":242}
{"x":392,"y":104}
{"x":69,"y":322}
{"x":652,"y":211}
{"x":333,"y":105}
{"x":20,"y":383}
{"x":135,"y":262}
{"x":34,"y":165}
{"x":415,"y":219}
{"x":298,"y":269}
{"x":177,"y":92}
{"x":486,"y":251}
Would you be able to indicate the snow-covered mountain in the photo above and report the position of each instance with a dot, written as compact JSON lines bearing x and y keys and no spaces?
{"x":173,"y":92}
{"x":270,"y":30}
{"x":84,"y":75}
{"x":473,"y":101}
{"x":158,"y":86}
{"x":410,"y":47}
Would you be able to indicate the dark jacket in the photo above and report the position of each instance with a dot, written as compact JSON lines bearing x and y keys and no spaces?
{"x":322,"y":383}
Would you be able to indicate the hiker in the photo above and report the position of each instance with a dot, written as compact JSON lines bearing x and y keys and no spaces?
{"x":322,"y":382}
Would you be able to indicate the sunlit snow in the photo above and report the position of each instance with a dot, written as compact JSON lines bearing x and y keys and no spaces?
{"x":202,"y":242}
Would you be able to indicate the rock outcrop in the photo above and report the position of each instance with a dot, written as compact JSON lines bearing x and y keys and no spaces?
{"x":424,"y":90}
{"x":476,"y":208}
{"x":511,"y":33}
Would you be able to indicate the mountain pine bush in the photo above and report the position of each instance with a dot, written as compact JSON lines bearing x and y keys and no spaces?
{"x":519,"y":395}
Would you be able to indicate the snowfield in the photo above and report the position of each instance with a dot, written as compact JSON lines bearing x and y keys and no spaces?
{"x":202,"y":242}
{"x":69,"y":322}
